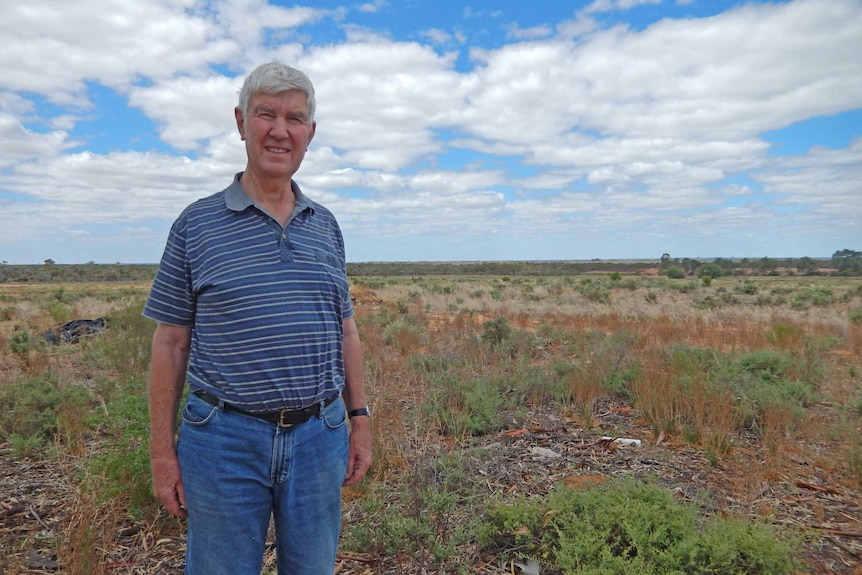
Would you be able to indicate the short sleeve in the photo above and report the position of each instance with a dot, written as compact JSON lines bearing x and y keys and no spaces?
{"x":171,"y":299}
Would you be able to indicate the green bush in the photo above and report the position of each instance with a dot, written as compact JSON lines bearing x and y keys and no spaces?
{"x":20,"y":343}
{"x":619,"y":382}
{"x":694,"y":359}
{"x":125,"y":347}
{"x":628,"y":527}
{"x":760,"y":381}
{"x":763,"y":385}
{"x":594,"y":291}
{"x":425,"y":521}
{"x":675,"y":273}
{"x":60,"y":311}
{"x":123,"y":469}
{"x":767,"y":366}
{"x":685,"y":287}
{"x":31,"y":413}
{"x":496,"y":331}
{"x":463,"y":408}
{"x":707,"y":302}
{"x":711,"y":270}
{"x":533,"y":385}
{"x":816,"y":296}
{"x":747,"y":287}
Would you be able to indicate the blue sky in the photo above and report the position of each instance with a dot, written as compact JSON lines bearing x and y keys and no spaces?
{"x":541,"y":130}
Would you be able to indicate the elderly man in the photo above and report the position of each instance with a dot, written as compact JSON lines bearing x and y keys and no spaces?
{"x":253,"y":310}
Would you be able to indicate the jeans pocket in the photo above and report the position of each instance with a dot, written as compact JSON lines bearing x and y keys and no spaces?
{"x":197,"y":411}
{"x":335,"y":415}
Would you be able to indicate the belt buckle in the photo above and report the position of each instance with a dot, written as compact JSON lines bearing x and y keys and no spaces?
{"x":282,"y":422}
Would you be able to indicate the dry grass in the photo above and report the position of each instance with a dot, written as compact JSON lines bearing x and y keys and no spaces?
{"x":455,"y":310}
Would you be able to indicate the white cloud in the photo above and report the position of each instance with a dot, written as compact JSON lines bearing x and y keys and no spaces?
{"x":372,"y":7}
{"x":189,"y":110}
{"x":379,"y":102}
{"x":570,"y":130}
{"x":581,"y":25}
{"x":726,"y":77}
{"x":118,"y":187}
{"x":78,"y":41}
{"x":437,"y":36}
{"x":518,"y":33}
{"x":18,"y":144}
{"x":610,"y":5}
{"x":824,"y":180}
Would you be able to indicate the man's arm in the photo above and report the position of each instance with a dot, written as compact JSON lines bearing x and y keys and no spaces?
{"x":167,"y":378}
{"x":359,"y":460}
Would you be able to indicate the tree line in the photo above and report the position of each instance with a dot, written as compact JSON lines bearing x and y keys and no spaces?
{"x":846,"y":262}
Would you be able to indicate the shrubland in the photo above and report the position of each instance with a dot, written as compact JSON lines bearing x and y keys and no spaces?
{"x":491,"y":395}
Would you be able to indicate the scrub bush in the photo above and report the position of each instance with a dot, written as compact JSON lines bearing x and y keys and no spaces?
{"x":675,"y":273}
{"x":496,"y":331}
{"x":36,"y":411}
{"x":624,"y":526}
{"x":462,"y":408}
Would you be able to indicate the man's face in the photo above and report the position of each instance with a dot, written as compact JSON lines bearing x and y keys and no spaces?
{"x":276,"y":131}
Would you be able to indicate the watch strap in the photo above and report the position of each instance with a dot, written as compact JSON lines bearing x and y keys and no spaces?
{"x":358,"y":412}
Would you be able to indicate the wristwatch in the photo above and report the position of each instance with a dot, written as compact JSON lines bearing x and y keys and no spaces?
{"x":366,"y":411}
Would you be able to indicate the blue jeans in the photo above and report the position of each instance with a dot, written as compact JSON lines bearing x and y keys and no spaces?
{"x":239,"y":470}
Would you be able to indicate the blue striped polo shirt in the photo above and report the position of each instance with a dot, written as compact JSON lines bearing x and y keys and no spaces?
{"x":265,"y":304}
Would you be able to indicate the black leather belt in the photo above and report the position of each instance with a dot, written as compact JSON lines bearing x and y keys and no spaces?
{"x":283,"y":418}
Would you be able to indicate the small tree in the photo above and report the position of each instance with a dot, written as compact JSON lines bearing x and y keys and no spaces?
{"x":711,"y":270}
{"x":806,"y":266}
{"x":767,"y":265}
{"x":690,"y":265}
{"x":847,"y":261}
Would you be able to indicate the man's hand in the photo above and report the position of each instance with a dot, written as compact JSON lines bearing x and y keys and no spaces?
{"x":359,"y":458}
{"x":167,"y":377}
{"x":168,"y":485}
